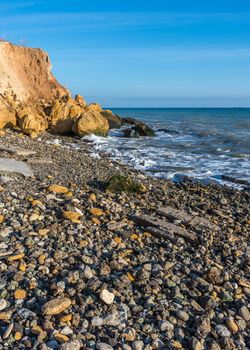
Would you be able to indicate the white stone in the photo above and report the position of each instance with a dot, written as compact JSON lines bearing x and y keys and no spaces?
{"x":107,"y":297}
{"x":3,"y":304}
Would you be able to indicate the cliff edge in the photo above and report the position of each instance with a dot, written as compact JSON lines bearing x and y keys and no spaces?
{"x":26,"y":73}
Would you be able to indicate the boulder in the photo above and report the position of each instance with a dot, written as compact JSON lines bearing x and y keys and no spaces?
{"x":113,"y":119}
{"x":91,"y":122}
{"x":138,"y":128}
{"x":7,"y":118}
{"x":95,"y":107}
{"x":31,"y":122}
{"x":63,"y":114}
{"x":80,"y":100}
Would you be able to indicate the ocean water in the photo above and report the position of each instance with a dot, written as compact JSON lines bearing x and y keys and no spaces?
{"x":201,"y":143}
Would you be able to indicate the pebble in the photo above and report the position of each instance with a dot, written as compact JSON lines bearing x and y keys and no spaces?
{"x":222,"y":331}
{"x":3,"y":304}
{"x":107,"y":296}
{"x":56,"y":306}
{"x":244,"y":313}
{"x":103,"y":346}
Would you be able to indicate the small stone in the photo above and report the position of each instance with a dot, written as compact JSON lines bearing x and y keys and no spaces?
{"x":182,"y":315}
{"x":232,"y":325}
{"x":33,"y":217}
{"x":8,"y":331}
{"x":1,"y":218}
{"x":15,"y":257}
{"x":107,"y":297}
{"x":66,"y":318}
{"x":17,"y":336}
{"x":103,"y":346}
{"x":96,"y":211}
{"x":5,"y":315}
{"x":72,"y":345}
{"x":56,"y":306}
{"x":3,"y":304}
{"x":138,"y":345}
{"x":36,"y":330}
{"x":222,"y":331}
{"x":20,"y":294}
{"x":196,"y":344}
{"x":61,"y":338}
{"x":92,"y":197}
{"x":72,"y":216}
{"x":244,"y":313}
{"x":43,"y":232}
{"x":58,"y":189}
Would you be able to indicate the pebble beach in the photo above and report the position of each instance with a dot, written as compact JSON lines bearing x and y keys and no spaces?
{"x":83,"y":267}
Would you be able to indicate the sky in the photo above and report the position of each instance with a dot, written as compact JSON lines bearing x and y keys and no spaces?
{"x":134,"y":53}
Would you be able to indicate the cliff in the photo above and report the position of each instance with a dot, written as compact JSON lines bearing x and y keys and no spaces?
{"x":26,"y":73}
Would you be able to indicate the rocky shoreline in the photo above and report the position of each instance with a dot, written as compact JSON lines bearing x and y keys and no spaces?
{"x":82,"y":267}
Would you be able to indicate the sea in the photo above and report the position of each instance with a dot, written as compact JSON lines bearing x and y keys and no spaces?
{"x":209,"y":145}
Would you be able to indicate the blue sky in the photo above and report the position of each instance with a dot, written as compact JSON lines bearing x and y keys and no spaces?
{"x":151,"y":53}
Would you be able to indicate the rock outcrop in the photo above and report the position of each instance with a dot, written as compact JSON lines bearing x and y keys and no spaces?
{"x":32,"y":100}
{"x":26,"y":73}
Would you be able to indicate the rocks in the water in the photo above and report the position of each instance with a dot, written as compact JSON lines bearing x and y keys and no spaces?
{"x":138,"y":128}
{"x":113,"y":119}
{"x":121,"y":183}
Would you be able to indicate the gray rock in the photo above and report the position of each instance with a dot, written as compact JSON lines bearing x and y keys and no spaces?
{"x":222,"y":331}
{"x":15,"y":166}
{"x":182,"y":315}
{"x":244,"y":312}
{"x":137,"y":345}
{"x":72,"y":345}
{"x":103,"y":346}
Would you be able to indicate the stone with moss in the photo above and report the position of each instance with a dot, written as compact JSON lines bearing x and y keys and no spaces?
{"x":122,"y":183}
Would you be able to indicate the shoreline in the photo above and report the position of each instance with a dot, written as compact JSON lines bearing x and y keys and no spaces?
{"x":183,"y":285}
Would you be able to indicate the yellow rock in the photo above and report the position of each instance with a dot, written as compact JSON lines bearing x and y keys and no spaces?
{"x":56,"y":306}
{"x":5,"y":315}
{"x":118,"y":240}
{"x":58,"y":189}
{"x":15,"y":257}
{"x":20,"y":294}
{"x":91,"y":122}
{"x":177,"y":345}
{"x":69,"y":194}
{"x":33,"y":217}
{"x":96,"y":211}
{"x":92,"y":197}
{"x":147,"y":234}
{"x":96,"y":221}
{"x":36,"y":330}
{"x":22,"y":267}
{"x":36,"y":202}
{"x":66,"y":318}
{"x":232,"y":325}
{"x":61,"y":338}
{"x":18,"y":336}
{"x":43,"y":231}
{"x":130,"y":277}
{"x":2,"y":132}
{"x":1,"y":188}
{"x":41,"y":259}
{"x":1,"y":218}
{"x":72,"y":216}
{"x":83,"y":243}
{"x":134,"y":236}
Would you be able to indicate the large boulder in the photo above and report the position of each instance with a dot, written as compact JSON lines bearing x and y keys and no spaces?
{"x":95,"y":107}
{"x":113,"y":119}
{"x":91,"y":122}
{"x":7,"y":112}
{"x":63,"y":115}
{"x":30,"y":122}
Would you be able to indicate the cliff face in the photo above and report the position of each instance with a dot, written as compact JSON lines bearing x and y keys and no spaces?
{"x":26,"y":73}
